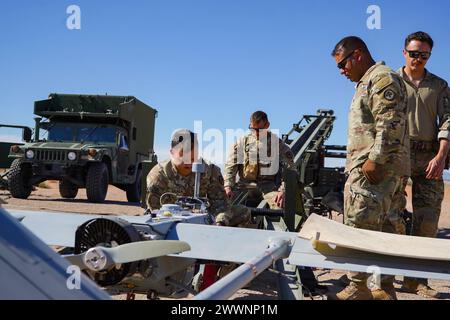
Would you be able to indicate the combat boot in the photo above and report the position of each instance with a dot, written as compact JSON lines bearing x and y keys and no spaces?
{"x":385,"y":293}
{"x":421,"y":289}
{"x":227,"y":269}
{"x":354,"y":291}
{"x":343,"y":281}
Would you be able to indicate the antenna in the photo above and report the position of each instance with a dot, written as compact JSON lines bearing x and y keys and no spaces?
{"x":198,"y":168}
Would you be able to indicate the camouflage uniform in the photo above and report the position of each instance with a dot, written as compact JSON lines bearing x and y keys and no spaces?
{"x":165,"y":178}
{"x":377,"y":131}
{"x":258,"y":167}
{"x":428,"y":105}
{"x":395,"y":222}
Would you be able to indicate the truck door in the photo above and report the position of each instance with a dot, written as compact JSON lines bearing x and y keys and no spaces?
{"x":123,"y":157}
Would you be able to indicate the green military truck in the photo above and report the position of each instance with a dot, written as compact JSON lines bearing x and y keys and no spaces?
{"x":88,"y":141}
{"x":5,"y":147}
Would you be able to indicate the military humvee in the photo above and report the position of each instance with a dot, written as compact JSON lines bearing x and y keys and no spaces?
{"x":89,"y":141}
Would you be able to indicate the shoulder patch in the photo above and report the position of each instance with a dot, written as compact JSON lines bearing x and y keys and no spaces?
{"x":389,"y":95}
{"x":382,"y":80}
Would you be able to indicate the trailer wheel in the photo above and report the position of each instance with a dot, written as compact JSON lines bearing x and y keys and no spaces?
{"x":134,"y":190}
{"x":19,"y":179}
{"x":97,"y":181}
{"x":67,"y":189}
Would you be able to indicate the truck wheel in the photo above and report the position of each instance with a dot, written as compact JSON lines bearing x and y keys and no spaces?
{"x":18,"y":179}
{"x":134,"y":190}
{"x":97,"y":181}
{"x":67,"y":189}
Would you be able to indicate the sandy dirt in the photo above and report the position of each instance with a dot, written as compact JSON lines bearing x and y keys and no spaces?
{"x":47,"y":198}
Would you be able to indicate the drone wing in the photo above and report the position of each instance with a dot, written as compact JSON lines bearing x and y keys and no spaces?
{"x":29,"y":269}
{"x":242,"y":245}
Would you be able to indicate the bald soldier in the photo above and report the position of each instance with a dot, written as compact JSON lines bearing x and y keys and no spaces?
{"x":429,"y":132}
{"x":377,"y":151}
{"x":176,"y":176}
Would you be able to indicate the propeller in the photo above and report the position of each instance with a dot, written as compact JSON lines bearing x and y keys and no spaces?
{"x":101,"y":258}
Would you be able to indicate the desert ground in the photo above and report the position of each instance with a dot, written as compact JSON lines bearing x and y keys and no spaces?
{"x":47,"y":198}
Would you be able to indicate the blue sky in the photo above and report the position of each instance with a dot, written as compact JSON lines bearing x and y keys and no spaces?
{"x":215,"y":61}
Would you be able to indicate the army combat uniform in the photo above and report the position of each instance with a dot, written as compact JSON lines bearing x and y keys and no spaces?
{"x":164,"y":178}
{"x":377,"y":131}
{"x":429,"y":122}
{"x":258,"y":166}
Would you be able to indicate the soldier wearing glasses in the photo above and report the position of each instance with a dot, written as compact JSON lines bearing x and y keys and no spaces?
{"x":257,"y":158}
{"x":377,"y":151}
{"x":429,"y":131}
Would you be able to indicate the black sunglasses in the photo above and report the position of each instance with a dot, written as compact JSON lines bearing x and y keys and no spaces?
{"x":416,"y":54}
{"x":343,"y":62}
{"x":256,"y":129}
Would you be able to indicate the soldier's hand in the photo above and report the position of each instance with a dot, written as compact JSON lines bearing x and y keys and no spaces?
{"x":372,"y":171}
{"x":229,"y":192}
{"x":279,"y":199}
{"x":435,"y":168}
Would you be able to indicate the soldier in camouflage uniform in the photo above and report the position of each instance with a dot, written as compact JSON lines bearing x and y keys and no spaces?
{"x":257,"y":159}
{"x":377,"y":151}
{"x":429,"y":131}
{"x":176,"y":176}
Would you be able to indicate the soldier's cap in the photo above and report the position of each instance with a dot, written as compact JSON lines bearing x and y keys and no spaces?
{"x":184,"y":136}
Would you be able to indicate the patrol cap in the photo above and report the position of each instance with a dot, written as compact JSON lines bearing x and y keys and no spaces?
{"x":184,"y":136}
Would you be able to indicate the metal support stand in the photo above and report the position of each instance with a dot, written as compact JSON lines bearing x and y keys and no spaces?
{"x":234,"y":281}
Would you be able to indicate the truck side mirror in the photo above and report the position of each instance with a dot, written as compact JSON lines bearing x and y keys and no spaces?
{"x":26,"y":134}
{"x":123,"y":145}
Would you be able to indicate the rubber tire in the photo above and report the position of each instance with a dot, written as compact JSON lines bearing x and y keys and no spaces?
{"x":18,"y":179}
{"x":97,"y":181}
{"x":67,"y":189}
{"x":134,"y":190}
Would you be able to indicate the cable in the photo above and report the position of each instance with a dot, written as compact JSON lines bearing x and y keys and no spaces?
{"x":165,"y":194}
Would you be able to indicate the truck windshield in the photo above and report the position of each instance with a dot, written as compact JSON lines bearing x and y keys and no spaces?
{"x":82,"y":133}
{"x":60,"y":133}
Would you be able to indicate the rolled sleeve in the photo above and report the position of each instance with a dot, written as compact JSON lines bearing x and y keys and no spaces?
{"x":444,"y":134}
